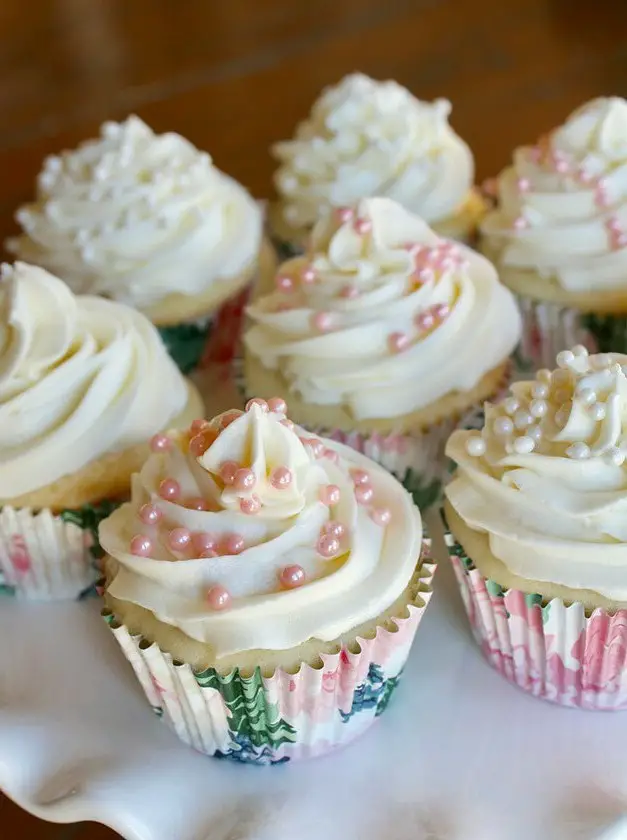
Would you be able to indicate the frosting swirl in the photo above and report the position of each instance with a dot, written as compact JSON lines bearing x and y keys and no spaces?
{"x":366,"y":138}
{"x":265,"y":539}
{"x":562,"y":208}
{"x":379,"y":304}
{"x":136,"y":216}
{"x":79,"y":377}
{"x":546,"y":479}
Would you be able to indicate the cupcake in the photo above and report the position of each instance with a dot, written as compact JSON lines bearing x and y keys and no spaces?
{"x":266,"y":586}
{"x":537,"y":531}
{"x":383,"y":336}
{"x":146,"y":220}
{"x":559,"y":234}
{"x":365,"y":138}
{"x":84,"y":383}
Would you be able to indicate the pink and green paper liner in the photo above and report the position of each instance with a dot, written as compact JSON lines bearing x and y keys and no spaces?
{"x":261,"y":719}
{"x":551,"y":649}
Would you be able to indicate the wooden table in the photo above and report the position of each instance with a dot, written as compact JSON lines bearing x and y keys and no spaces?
{"x":236,"y":75}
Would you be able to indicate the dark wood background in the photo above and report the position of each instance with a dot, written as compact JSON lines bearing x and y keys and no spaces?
{"x":236,"y":75}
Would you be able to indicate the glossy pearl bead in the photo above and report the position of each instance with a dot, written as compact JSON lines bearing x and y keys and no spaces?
{"x":203,"y":541}
{"x":328,"y":546}
{"x":524,"y":445}
{"x":475,"y":446}
{"x":538,"y":408}
{"x":228,"y":471}
{"x":169,"y":489}
{"x":587,"y":396}
{"x":261,"y":404}
{"x":441,"y":311}
{"x":322,"y":321}
{"x":198,"y":426}
{"x":523,"y":185}
{"x":615,"y":456}
{"x":149,"y":514}
{"x":424,"y":320}
{"x":539,"y":390}
{"x":511,"y":405}
{"x":364,"y":494}
{"x":281,"y":478}
{"x":141,"y":545}
{"x":244,"y":479}
{"x":349,"y":292}
{"x":160,"y":443}
{"x":363,"y":226}
{"x":292,"y":577}
{"x":345,"y":214}
{"x":330,"y":495}
{"x":250,"y":506}
{"x":277,"y":405}
{"x":218,"y":598}
{"x":535,"y":433}
{"x":226,"y":419}
{"x":597,"y":411}
{"x":316,"y":446}
{"x":580,"y":350}
{"x":308,"y":275}
{"x":197,"y":503}
{"x":565,"y":358}
{"x":360,"y":477}
{"x":284,"y":284}
{"x":233,"y":544}
{"x":332,"y":455}
{"x":522,"y":419}
{"x":578,"y":451}
{"x":398,"y":341}
{"x":334,"y":528}
{"x":198,"y":445}
{"x":520,"y":223}
{"x":179,"y":539}
{"x":381,"y":516}
{"x":503,"y":426}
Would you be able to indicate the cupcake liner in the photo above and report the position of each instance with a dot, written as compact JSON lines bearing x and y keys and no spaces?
{"x":186,"y":342}
{"x":50,"y":557}
{"x":548,"y":328}
{"x":609,"y":332}
{"x":551,"y":649}
{"x":259,"y":719}
{"x":223,"y":339}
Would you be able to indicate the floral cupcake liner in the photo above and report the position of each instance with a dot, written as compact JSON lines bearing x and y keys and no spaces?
{"x":50,"y":557}
{"x":186,"y":342}
{"x":551,"y":649}
{"x":259,"y":719}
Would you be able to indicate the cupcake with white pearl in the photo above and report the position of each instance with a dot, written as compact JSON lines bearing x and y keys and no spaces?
{"x":148,"y":220}
{"x":260,"y":580}
{"x":558,"y":234}
{"x":537,"y":513}
{"x":383,"y":335}
{"x":365,"y":138}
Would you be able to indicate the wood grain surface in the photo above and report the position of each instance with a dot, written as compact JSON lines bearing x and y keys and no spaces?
{"x":236,"y":75}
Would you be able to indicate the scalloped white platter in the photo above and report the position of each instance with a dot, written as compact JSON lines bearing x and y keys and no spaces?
{"x":459,"y":755}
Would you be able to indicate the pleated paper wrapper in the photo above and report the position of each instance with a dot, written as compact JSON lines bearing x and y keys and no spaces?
{"x":261,"y":719}
{"x":550,"y":649}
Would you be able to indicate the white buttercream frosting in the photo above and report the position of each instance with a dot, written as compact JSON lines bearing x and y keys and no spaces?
{"x":369,"y":569}
{"x":79,"y":377}
{"x":562,"y":205}
{"x":137,"y":216}
{"x":382,"y":316}
{"x":365,"y":138}
{"x":546,"y":479}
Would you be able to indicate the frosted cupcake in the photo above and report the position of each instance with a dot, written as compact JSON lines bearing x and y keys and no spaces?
{"x":538,"y":535}
{"x":266,"y":586}
{"x":365,"y":138}
{"x":84,"y":382}
{"x":383,"y":336}
{"x":149,"y":221}
{"x":559,"y":233}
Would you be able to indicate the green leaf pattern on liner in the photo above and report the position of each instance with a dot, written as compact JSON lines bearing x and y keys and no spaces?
{"x":88,"y":518}
{"x":286,"y":250}
{"x":609,"y":331}
{"x":375,"y":692}
{"x":186,"y":343}
{"x":424,"y":491}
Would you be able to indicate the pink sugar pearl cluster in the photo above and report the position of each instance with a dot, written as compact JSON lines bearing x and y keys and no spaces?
{"x":319,"y":450}
{"x":431,"y":260}
{"x":364,"y":494}
{"x":424,"y":321}
{"x":183,"y":541}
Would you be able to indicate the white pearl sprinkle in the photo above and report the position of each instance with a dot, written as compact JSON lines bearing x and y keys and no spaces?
{"x":615,"y":456}
{"x":511,"y":405}
{"x":580,"y":350}
{"x":524,"y":445}
{"x":538,"y":408}
{"x":587,"y":396}
{"x":578,"y":451}
{"x":544,"y":375}
{"x":522,"y":419}
{"x":503,"y":426}
{"x":475,"y":446}
{"x":23,"y":216}
{"x":597,"y":411}
{"x":539,"y":390}
{"x":565,"y":358}
{"x":52,"y":163}
{"x":535,"y":433}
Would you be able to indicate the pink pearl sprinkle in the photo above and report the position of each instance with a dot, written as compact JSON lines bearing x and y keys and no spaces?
{"x":179,"y":538}
{"x":169,"y":489}
{"x":334,"y":528}
{"x":198,"y":445}
{"x":520,"y":223}
{"x":380,"y":516}
{"x":229,"y":417}
{"x":141,"y":545}
{"x":584,"y":176}
{"x":328,"y":545}
{"x":332,"y":455}
{"x":228,"y":471}
{"x":322,"y":321}
{"x":523,"y":185}
{"x":308,"y":275}
{"x":424,"y":320}
{"x":345,"y":214}
{"x":619,"y":240}
{"x":198,"y":425}
{"x":203,"y":541}
{"x":349,"y":292}
{"x":244,"y":479}
{"x":441,"y":310}
{"x":292,"y":576}
{"x":250,"y":505}
{"x":284,"y":284}
{"x":317,"y":446}
{"x":197,"y":503}
{"x":363,"y":226}
{"x":360,"y":477}
{"x":562,"y":166}
{"x":218,"y":598}
{"x":613,"y":224}
{"x":281,"y":478}
{"x":398,"y":341}
{"x":207,"y":553}
{"x":233,"y":544}
{"x":426,"y":275}
{"x":262,"y":404}
{"x":277,"y":404}
{"x":364,"y":494}
{"x":160,"y":443}
{"x":150,"y":514}
{"x":330,"y":494}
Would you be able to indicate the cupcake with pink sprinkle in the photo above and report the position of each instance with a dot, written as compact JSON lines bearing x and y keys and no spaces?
{"x":383,"y":335}
{"x":262,"y":581}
